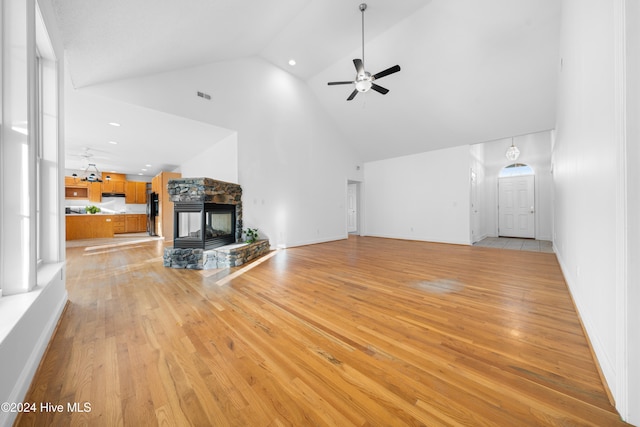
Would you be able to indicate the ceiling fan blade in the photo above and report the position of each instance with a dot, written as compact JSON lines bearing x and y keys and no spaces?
{"x":339,"y":83}
{"x":379,"y":89}
{"x":353,"y":95}
{"x":359,"y":66}
{"x":386,"y":72}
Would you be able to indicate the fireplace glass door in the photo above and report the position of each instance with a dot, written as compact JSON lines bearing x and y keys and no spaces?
{"x":189,"y":225}
{"x":204,"y":226}
{"x":218,"y":223}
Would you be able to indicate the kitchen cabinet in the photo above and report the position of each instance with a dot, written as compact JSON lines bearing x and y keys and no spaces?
{"x":135,"y":223}
{"x":129,"y":192}
{"x":135,"y":192}
{"x":95,"y":192}
{"x":70,"y":181}
{"x":75,"y":189}
{"x":112,"y":186}
{"x":141,"y":193}
{"x":119,"y":177}
{"x":119,"y":224}
{"x":89,"y":226}
{"x":115,"y":183}
{"x":142,"y":223}
{"x":76,"y":193}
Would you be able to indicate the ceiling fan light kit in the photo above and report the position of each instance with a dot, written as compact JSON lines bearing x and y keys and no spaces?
{"x":364,"y":81}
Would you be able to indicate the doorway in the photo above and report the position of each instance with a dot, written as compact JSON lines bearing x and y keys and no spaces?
{"x":475,"y":209}
{"x":516,"y":202}
{"x":353,"y":202}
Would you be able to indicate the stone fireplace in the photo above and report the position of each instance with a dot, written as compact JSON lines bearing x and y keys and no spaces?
{"x":208,"y":226}
{"x":207,"y":213}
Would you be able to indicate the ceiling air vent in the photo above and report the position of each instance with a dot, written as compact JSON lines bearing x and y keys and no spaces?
{"x":204,"y":95}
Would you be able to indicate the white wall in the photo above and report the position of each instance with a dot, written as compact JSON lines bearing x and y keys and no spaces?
{"x":293,"y":162}
{"x":591,"y":195}
{"x":633,"y":205}
{"x":219,"y":162}
{"x":535,"y":151}
{"x":420,"y":197}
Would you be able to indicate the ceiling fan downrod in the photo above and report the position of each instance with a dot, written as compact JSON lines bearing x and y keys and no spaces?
{"x":363,"y":7}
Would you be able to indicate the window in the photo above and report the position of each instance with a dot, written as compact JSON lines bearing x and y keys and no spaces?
{"x":48,"y":210}
{"x":516,"y":169}
{"x":30,"y":217}
{"x":38,"y":126}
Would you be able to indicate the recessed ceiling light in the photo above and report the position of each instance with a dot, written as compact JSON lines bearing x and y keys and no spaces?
{"x":140,"y":173}
{"x":113,"y":142}
{"x":292,"y":62}
{"x":114,"y":124}
{"x":148,"y":166}
{"x":144,"y":170}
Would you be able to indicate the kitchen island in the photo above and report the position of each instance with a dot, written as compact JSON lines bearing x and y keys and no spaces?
{"x":93,"y":226}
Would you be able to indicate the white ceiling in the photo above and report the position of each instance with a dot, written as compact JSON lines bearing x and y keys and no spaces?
{"x":472,"y":70}
{"x":146,"y":139}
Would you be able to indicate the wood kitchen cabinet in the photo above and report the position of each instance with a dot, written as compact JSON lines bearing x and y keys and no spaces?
{"x":131,"y":223}
{"x":70,"y":181}
{"x":76,"y":193}
{"x":89,"y":226}
{"x":112,"y":186}
{"x":119,"y":177}
{"x":75,"y":189}
{"x":102,"y":225}
{"x":115,"y":183}
{"x":119,"y":225}
{"x":95,"y":192}
{"x":135,"y":192}
{"x":141,"y":193}
{"x":135,"y":223}
{"x":129,"y":192}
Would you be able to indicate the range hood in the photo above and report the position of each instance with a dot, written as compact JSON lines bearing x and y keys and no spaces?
{"x":112,"y":194}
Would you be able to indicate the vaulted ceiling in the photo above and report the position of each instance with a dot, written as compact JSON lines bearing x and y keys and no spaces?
{"x":472,"y":70}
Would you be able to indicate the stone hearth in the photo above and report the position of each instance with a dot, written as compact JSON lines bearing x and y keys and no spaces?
{"x":221,"y":257}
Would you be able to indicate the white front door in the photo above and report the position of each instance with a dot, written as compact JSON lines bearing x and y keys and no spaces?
{"x":516,"y":202}
{"x":352,"y":208}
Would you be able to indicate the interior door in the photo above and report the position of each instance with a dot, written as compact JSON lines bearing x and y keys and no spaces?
{"x":516,"y":202}
{"x":352,"y":208}
{"x":475,"y":210}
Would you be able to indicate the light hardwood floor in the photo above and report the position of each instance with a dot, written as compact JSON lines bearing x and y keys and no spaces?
{"x":362,"y":332}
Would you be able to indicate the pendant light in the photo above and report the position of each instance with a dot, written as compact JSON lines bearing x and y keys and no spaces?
{"x":512,"y":152}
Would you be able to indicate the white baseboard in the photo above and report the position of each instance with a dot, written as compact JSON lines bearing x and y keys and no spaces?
{"x":606,"y":365}
{"x":421,"y":239}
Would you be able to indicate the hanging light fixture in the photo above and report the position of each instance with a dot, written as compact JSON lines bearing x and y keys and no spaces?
{"x":512,"y":152}
{"x":90,"y":176}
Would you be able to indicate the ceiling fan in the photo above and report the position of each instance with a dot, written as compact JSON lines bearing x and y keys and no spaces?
{"x":91,"y":172}
{"x":364,"y":80}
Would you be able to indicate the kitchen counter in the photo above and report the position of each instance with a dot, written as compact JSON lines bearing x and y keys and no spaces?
{"x":98,"y":214}
{"x":101,"y":225}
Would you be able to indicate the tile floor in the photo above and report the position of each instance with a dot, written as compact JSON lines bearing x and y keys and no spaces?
{"x":530,"y":245}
